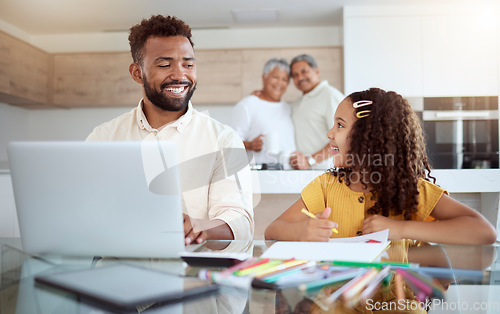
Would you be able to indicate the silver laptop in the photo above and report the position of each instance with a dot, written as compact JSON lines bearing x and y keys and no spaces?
{"x":98,"y":198}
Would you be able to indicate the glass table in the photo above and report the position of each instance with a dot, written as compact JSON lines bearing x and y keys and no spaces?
{"x":472,"y":287}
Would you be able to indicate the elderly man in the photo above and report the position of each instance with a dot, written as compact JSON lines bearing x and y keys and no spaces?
{"x":264,"y":122}
{"x":217,"y":198}
{"x":312,"y":115}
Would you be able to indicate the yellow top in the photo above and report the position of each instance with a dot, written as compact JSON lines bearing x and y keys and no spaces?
{"x":349,"y":208}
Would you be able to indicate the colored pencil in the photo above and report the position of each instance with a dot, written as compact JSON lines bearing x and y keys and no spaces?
{"x":422,"y":289}
{"x":232,"y":269}
{"x":373,"y":264}
{"x":253,"y":270}
{"x":337,"y":277}
{"x":334,"y":296}
{"x":257,"y":263}
{"x":282,"y":266}
{"x":351,"y":292}
{"x":370,"y":288}
{"x":275,"y":276}
{"x":437,"y":290}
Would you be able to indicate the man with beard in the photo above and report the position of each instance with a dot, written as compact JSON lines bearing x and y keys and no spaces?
{"x":312,"y":115}
{"x":217,"y":200}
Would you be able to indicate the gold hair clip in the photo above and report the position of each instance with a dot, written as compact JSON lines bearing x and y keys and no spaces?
{"x":363,"y":114}
{"x":362,"y":103}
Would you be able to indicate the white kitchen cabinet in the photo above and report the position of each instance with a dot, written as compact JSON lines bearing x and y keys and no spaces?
{"x":459,"y":56}
{"x":383,"y":52}
{"x":421,"y":51}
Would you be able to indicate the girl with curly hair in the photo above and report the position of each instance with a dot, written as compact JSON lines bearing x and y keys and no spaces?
{"x":380,"y":180}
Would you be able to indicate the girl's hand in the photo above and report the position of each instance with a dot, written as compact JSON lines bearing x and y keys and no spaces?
{"x":318,"y":230}
{"x":378,"y":223}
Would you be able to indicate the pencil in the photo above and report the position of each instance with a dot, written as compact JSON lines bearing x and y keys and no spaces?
{"x":360,"y":285}
{"x":253,"y":270}
{"x":275,"y":276}
{"x":419,"y":287}
{"x":241,"y":265}
{"x":373,"y":264}
{"x":305,"y":211}
{"x":258,"y":262}
{"x":282,"y":266}
{"x":341,"y":276}
{"x":400,"y":292}
{"x":334,"y":296}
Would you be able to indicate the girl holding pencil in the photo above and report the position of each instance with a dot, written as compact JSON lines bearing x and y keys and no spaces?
{"x":380,"y":180}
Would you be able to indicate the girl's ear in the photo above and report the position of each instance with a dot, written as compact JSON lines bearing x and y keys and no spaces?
{"x":136,"y":72}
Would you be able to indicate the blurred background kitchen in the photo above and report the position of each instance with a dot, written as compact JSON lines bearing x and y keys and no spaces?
{"x":64,"y":70}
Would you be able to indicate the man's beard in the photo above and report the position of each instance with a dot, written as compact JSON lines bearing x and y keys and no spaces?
{"x":169,"y":103}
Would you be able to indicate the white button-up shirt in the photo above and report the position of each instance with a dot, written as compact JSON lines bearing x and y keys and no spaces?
{"x":214,"y":174}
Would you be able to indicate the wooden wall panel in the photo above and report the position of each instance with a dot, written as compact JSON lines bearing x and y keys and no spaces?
{"x":29,"y":72}
{"x":4,"y":62}
{"x":219,"y":76}
{"x":32,"y":78}
{"x":94,"y":80}
{"x":23,"y":72}
{"x":329,"y":61}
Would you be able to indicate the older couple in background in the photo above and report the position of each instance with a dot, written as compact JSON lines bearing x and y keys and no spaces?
{"x":264,"y":121}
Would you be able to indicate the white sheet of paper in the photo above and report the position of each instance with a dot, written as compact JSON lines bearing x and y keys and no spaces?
{"x":380,"y":236}
{"x":326,"y":251}
{"x":340,"y":249}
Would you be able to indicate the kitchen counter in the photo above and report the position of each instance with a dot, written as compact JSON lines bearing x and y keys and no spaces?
{"x":4,"y":166}
{"x":276,"y":190}
{"x":293,"y":181}
{"x":453,"y":180}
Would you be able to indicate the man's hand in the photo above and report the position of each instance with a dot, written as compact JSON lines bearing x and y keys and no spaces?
{"x":255,"y":144}
{"x":299,"y":161}
{"x":192,"y":233}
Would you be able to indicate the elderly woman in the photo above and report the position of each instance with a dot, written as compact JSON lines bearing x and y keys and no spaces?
{"x":264,"y":122}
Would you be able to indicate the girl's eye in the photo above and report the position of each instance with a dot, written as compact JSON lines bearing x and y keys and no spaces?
{"x":164,"y":66}
{"x":340,"y":125}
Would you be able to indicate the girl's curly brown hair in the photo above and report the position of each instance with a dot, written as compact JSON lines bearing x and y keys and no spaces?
{"x":156,"y":26}
{"x":388,"y":146}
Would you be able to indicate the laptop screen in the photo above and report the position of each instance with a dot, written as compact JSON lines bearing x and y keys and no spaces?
{"x":98,"y":198}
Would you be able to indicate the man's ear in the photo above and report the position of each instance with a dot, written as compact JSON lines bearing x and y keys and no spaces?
{"x":136,"y":72}
{"x":317,"y":71}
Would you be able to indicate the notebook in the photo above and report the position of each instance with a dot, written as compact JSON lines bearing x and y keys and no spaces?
{"x":366,"y":248}
{"x":98,"y":198}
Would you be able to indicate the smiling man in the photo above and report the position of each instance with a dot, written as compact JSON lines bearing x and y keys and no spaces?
{"x":312,"y":114}
{"x":217,"y":200}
